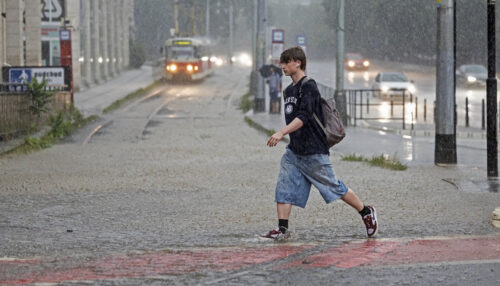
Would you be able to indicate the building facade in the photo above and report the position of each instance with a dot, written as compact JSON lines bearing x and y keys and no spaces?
{"x":100,"y":35}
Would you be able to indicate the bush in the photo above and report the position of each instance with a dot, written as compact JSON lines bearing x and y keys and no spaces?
{"x":39,"y":97}
{"x":137,"y":54}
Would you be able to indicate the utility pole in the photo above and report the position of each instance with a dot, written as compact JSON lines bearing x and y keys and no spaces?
{"x":340,"y":96}
{"x":193,"y":19}
{"x":261,"y":43}
{"x":231,"y":31}
{"x":207,"y":19}
{"x":445,"y":151}
{"x":491,"y":97}
{"x":176,"y":17}
{"x":254,"y":36}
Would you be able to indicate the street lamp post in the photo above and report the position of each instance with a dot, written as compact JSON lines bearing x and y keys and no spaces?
{"x":491,"y":96}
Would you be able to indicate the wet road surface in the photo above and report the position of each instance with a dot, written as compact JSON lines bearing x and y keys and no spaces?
{"x":174,"y":189}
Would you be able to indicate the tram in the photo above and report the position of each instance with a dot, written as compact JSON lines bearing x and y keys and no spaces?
{"x":186,"y":59}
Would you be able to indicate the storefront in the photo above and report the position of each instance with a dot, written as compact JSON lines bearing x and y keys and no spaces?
{"x":53,"y":13}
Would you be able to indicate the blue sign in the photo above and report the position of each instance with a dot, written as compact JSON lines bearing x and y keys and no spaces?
{"x":65,"y":35}
{"x":20,"y":75}
{"x":301,"y":40}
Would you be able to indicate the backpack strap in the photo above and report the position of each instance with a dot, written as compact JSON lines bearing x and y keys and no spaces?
{"x":306,"y":79}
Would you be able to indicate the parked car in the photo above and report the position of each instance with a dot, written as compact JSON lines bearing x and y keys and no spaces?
{"x":393,"y":83}
{"x":355,"y":61}
{"x":472,"y":75}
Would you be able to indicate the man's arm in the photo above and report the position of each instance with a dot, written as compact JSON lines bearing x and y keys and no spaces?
{"x":295,"y":125}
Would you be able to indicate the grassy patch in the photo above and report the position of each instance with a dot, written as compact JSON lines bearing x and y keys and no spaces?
{"x":61,"y":125}
{"x":253,"y":124}
{"x":246,"y":102}
{"x":136,"y":94}
{"x":383,"y":161}
{"x":353,"y":158}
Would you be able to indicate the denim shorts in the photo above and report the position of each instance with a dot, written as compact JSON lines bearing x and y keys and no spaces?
{"x":298,"y":172}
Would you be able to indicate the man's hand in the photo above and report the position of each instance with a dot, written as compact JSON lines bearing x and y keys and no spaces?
{"x":273,"y":140}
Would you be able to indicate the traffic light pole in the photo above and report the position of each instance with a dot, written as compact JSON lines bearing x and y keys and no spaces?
{"x":491,"y":97}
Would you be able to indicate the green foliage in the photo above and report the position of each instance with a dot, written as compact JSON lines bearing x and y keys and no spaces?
{"x":246,"y":102}
{"x":353,"y":158}
{"x":39,"y":96}
{"x":383,"y":161}
{"x":137,"y":54}
{"x":61,"y":125}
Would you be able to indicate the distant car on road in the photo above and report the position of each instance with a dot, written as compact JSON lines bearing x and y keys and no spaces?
{"x":472,"y":75}
{"x":393,"y":83}
{"x":355,"y":61}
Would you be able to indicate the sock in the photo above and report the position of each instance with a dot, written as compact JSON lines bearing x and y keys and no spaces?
{"x":364,"y":211}
{"x":283,"y":225}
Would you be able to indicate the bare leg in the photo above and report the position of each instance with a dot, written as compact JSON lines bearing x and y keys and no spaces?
{"x":283,"y":210}
{"x":351,"y":199}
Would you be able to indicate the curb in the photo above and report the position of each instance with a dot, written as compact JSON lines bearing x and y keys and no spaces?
{"x":420,"y":133}
{"x":260,"y":127}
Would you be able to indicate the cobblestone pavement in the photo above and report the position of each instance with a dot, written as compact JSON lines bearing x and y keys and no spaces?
{"x":174,"y":189}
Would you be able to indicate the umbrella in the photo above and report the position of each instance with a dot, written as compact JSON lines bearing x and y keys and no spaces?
{"x":267,"y":70}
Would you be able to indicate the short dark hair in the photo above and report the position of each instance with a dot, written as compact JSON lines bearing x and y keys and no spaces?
{"x":294,"y":54}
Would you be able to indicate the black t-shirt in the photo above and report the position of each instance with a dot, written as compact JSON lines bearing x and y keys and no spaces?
{"x":309,"y":139}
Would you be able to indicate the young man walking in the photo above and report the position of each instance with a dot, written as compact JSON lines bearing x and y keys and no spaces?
{"x":306,"y":160}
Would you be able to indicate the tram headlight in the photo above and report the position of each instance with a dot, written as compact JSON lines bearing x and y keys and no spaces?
{"x":366,"y":63}
{"x":351,"y":63}
{"x":196,"y":68}
{"x":189,"y":68}
{"x":172,"y":67}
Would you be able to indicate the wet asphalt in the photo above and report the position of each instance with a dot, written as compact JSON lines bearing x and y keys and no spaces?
{"x":183,"y":171}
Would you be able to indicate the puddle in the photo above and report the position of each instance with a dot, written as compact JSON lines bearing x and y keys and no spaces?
{"x":475,"y":185}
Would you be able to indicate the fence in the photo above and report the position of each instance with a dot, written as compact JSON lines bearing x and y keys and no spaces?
{"x":15,"y":115}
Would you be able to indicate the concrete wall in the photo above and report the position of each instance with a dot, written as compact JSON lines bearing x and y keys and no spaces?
{"x":14,"y":32}
{"x":33,"y":33}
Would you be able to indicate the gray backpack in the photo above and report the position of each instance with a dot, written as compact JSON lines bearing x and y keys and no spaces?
{"x":333,"y":128}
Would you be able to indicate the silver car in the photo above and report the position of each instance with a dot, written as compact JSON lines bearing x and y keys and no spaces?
{"x":391,"y":83}
{"x":472,"y":75}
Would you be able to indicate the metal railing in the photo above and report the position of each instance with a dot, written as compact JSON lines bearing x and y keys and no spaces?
{"x":359,"y":102}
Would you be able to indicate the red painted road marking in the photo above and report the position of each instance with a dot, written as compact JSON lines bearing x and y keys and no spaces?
{"x":165,"y":262}
{"x":387,"y":252}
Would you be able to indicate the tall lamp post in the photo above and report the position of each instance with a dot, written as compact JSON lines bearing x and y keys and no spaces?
{"x":491,"y":96}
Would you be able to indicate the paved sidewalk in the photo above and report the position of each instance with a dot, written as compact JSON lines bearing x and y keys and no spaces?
{"x":95,"y":99}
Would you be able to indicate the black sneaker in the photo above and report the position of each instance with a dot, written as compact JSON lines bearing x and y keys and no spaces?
{"x":370,"y":221}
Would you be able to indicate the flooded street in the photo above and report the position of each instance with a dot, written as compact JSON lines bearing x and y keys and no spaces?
{"x":178,"y":174}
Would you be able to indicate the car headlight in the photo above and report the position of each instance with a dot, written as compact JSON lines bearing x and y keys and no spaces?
{"x":412,"y":89}
{"x":351,"y":63}
{"x":189,"y":68}
{"x":384,"y":88}
{"x":195,"y":68}
{"x":366,"y":63}
{"x":173,"y":67}
{"x":471,"y":78}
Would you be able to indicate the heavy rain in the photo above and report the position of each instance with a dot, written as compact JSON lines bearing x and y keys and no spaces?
{"x":189,"y":142}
